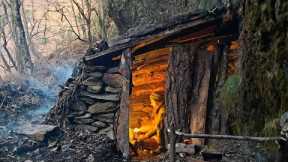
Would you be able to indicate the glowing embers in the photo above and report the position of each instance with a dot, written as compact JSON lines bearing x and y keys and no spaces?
{"x":147,"y":108}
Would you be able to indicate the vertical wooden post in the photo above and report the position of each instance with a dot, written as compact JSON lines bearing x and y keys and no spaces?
{"x":123,"y":120}
{"x":172,"y":142}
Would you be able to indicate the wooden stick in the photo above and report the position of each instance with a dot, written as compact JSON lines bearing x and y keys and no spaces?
{"x":230,"y":137}
{"x":172,"y":149}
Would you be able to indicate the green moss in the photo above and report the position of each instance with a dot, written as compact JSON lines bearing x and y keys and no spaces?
{"x":229,"y":97}
{"x":264,"y":83}
{"x":229,"y":93}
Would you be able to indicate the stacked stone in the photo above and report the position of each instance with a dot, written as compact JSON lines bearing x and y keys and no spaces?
{"x":98,"y":100}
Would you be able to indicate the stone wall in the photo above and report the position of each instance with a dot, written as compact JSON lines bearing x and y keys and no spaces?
{"x":89,"y":101}
{"x":98,"y":100}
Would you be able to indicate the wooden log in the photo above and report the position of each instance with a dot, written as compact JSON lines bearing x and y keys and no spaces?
{"x":147,"y":92}
{"x":122,"y":128}
{"x":148,"y":78}
{"x":187,"y":87}
{"x":149,"y":86}
{"x":140,"y":107}
{"x":199,"y":106}
{"x":151,"y":68}
{"x":172,"y":141}
{"x":137,"y":63}
{"x":154,"y":54}
{"x":151,"y":80}
{"x":154,"y":65}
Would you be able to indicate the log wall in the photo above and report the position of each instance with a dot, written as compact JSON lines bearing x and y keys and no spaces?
{"x":148,"y":76}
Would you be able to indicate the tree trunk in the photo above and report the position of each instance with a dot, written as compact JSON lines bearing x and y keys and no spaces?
{"x":5,"y":42}
{"x":5,"y":62}
{"x":187,"y":88}
{"x":31,"y":46}
{"x":24,"y":60}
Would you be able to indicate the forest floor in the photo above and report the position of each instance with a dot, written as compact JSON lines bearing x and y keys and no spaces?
{"x":25,"y":100}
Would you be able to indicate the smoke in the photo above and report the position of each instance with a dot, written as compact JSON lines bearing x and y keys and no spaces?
{"x":45,"y":86}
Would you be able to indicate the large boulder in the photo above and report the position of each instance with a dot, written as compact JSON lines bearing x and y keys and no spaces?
{"x":39,"y":133}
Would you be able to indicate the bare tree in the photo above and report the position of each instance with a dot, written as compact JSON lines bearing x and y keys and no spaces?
{"x":86,"y":20}
{"x":7,"y":67}
{"x":29,"y":35}
{"x":23,"y":57}
{"x":3,"y":35}
{"x":86,"y":16}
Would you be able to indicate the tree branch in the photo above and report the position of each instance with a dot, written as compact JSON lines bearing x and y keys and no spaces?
{"x":230,"y":137}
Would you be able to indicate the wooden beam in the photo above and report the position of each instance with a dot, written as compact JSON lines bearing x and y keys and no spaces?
{"x":137,"y":81}
{"x":154,"y":54}
{"x":122,"y":129}
{"x":148,"y":91}
{"x":147,"y":61}
{"x":159,"y":34}
{"x":149,"y":70}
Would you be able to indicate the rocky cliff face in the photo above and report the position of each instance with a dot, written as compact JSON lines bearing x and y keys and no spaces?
{"x":130,"y":14}
{"x":264,"y":85}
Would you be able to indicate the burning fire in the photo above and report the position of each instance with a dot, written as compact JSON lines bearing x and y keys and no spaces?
{"x":146,"y":139}
{"x":147,"y":108}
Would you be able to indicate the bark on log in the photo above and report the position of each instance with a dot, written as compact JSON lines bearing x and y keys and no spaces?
{"x":187,"y":87}
{"x":122,"y":130}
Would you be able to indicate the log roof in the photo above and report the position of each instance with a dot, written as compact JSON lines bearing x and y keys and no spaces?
{"x":180,"y":29}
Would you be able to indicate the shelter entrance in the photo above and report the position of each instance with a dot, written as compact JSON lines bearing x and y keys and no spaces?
{"x":147,"y":104}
